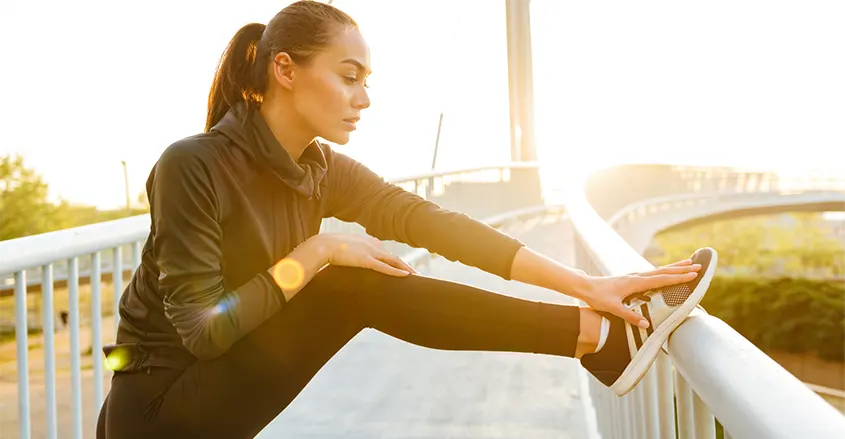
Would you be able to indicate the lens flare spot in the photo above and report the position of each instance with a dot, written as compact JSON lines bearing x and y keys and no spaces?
{"x":289,"y":274}
{"x":226,"y":303}
{"x":117,"y":359}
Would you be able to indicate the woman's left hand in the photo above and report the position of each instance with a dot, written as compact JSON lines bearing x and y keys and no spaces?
{"x":605,"y":293}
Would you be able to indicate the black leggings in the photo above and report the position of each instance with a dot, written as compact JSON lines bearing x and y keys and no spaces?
{"x":237,"y":394}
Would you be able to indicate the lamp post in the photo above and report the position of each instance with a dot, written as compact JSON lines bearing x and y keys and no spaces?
{"x":126,"y":185}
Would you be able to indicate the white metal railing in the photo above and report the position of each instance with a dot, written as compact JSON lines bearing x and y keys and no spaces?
{"x":708,"y":371}
{"x":502,"y":194}
{"x":45,"y":251}
{"x":515,"y":186}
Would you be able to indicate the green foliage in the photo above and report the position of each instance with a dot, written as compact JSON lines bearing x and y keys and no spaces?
{"x":779,"y":282}
{"x":766,"y":245}
{"x":25,"y":209}
{"x":783,"y":314}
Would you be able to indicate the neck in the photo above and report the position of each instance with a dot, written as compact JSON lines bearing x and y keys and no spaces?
{"x":286,"y":126}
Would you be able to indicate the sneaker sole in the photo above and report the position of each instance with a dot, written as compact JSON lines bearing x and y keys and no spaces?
{"x":643,"y":359}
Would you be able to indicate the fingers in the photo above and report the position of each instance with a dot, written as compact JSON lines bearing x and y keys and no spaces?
{"x":628,"y":315}
{"x":395,"y":261}
{"x":407,"y":267}
{"x":680,"y":263}
{"x":673,"y":269}
{"x":385,"y":268}
{"x":645,"y":283}
{"x":390,"y":259}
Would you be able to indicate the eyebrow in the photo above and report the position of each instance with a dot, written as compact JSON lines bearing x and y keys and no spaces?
{"x":357,"y":65}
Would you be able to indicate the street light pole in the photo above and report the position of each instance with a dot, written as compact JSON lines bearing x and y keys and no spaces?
{"x":126,"y":185}
{"x":437,"y":142}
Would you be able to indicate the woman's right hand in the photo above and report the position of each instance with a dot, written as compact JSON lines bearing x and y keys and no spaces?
{"x":364,"y":252}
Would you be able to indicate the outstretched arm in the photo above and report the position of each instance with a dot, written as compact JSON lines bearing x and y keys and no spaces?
{"x":604,"y":293}
{"x":356,"y":194}
{"x":388,"y":212}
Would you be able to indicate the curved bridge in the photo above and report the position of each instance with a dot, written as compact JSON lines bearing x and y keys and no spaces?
{"x":640,"y":221}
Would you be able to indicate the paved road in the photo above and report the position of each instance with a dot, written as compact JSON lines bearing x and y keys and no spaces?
{"x":381,"y":387}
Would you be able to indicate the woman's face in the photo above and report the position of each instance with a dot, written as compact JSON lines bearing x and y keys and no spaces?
{"x":330,"y":92}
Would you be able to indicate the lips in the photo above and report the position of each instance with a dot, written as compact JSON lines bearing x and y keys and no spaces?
{"x":350,"y":123}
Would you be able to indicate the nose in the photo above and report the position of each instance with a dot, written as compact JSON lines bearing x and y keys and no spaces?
{"x":361,"y":100}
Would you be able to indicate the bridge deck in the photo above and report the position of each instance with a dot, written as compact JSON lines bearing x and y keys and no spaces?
{"x":381,"y":387}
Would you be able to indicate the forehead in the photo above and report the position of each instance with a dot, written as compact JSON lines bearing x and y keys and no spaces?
{"x":348,"y":45}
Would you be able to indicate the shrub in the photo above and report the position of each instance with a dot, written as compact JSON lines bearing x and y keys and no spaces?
{"x":786,"y":314}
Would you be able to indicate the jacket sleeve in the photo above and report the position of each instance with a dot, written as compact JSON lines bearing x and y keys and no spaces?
{"x":388,"y":212}
{"x":187,"y":241}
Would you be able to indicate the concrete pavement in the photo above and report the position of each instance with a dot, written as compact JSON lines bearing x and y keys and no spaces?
{"x":381,"y":387}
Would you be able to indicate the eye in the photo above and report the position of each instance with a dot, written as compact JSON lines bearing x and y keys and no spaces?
{"x":351,"y":80}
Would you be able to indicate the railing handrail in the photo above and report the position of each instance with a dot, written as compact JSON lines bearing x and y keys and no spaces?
{"x":495,"y":221}
{"x":748,"y":392}
{"x":455,"y":171}
{"x":33,"y":251}
{"x":783,"y":196}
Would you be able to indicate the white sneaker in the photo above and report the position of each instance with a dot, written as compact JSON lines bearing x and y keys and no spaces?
{"x":630,"y":350}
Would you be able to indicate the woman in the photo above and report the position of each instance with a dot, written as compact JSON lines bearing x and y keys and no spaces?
{"x":239,"y":302}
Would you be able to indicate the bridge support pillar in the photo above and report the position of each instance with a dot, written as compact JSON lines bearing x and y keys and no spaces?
{"x":520,"y":80}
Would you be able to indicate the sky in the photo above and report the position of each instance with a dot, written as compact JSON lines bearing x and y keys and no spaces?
{"x":90,"y":83}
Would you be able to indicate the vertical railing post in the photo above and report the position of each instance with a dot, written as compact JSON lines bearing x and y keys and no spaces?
{"x":683,"y":394}
{"x":22,"y":345}
{"x":97,"y":329}
{"x":117,"y":282}
{"x":665,"y":397}
{"x":75,"y":372}
{"x":705,"y":424}
{"x":651,"y":412}
{"x":49,"y":350}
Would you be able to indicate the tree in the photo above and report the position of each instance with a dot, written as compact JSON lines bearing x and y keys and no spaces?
{"x":796,"y":244}
{"x":24,"y":209}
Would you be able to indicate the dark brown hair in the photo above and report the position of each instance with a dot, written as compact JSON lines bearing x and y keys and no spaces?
{"x":301,"y":30}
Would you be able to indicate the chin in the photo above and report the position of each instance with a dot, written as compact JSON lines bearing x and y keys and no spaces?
{"x":339,"y":138}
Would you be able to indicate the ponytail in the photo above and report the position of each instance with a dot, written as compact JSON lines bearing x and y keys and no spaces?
{"x":301,"y":29}
{"x":240,"y":74}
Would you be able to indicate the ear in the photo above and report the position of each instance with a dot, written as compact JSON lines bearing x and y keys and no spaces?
{"x":283,"y":70}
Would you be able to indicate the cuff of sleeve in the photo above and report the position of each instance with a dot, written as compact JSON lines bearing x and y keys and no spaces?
{"x":508,"y":255}
{"x":276,"y":288}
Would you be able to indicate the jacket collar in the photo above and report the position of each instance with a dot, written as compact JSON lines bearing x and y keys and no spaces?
{"x":248,"y":130}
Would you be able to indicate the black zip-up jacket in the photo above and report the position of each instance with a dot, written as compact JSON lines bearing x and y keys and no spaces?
{"x":228,"y":204}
